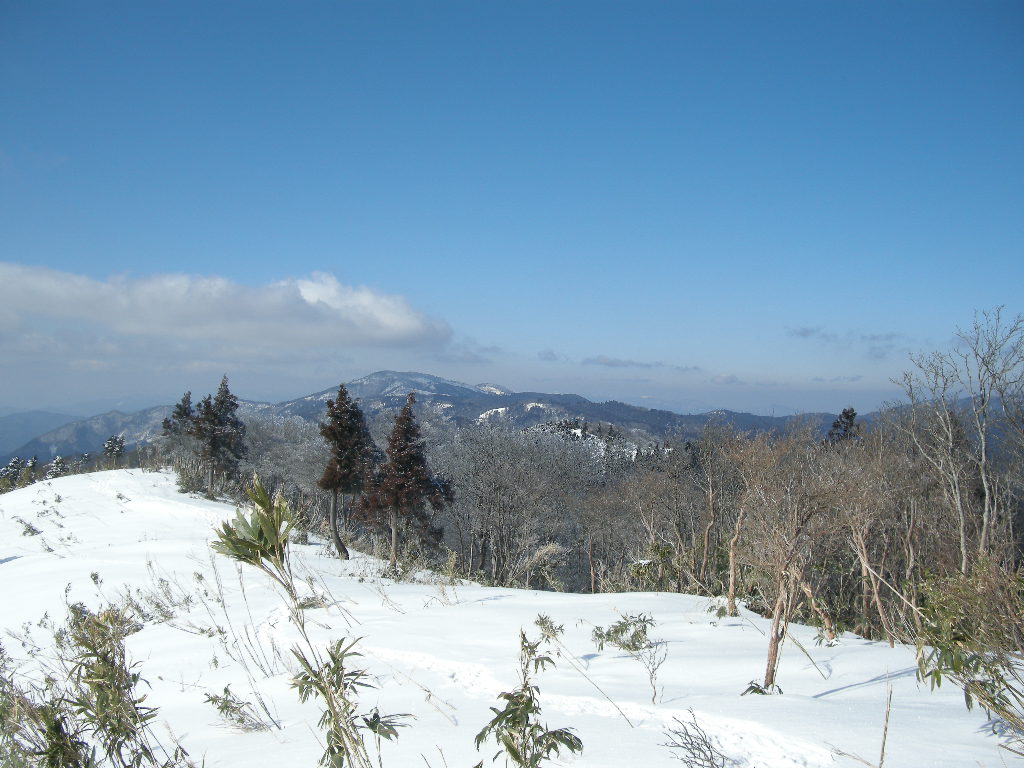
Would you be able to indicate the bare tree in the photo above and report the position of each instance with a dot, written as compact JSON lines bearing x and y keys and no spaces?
{"x":755,"y":461}
{"x":791,"y":498}
{"x":715,"y":474}
{"x":959,"y":402}
{"x":287,"y":454}
{"x":990,"y":369}
{"x":516,"y":496}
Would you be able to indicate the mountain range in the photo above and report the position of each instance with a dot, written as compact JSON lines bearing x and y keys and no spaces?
{"x":452,"y":401}
{"x":17,"y":428}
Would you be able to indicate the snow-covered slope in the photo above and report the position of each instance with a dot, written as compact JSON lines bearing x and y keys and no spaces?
{"x":444,"y":653}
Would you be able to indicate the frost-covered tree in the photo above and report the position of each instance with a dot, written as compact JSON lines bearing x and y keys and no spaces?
{"x":516,"y":495}
{"x":57,"y":468}
{"x":286,"y":452}
{"x":10,"y":476}
{"x":351,"y":449}
{"x":28,"y":474}
{"x":113,"y":448}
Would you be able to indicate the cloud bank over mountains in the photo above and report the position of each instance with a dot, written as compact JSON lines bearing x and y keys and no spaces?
{"x":292,"y":313}
{"x":70,"y":339}
{"x":59,"y":324}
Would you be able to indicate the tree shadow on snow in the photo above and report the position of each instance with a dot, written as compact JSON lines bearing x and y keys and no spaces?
{"x":887,"y":677}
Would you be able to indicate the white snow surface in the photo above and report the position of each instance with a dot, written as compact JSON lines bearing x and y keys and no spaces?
{"x":443,"y":653}
{"x":493,"y":413}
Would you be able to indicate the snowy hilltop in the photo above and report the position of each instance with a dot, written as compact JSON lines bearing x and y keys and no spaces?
{"x":213,"y":642}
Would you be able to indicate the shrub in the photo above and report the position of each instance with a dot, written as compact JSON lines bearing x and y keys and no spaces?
{"x":517,"y":727}
{"x":973,"y":635}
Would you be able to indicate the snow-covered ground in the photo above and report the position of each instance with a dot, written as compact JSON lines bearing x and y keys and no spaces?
{"x":444,"y":653}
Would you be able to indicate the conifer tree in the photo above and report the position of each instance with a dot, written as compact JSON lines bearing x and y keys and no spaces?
{"x":844,"y":428}
{"x":396,"y":494}
{"x":28,"y":475}
{"x":10,"y":476}
{"x":113,"y":448}
{"x":221,"y":434}
{"x":58,"y":467}
{"x":80,"y":464}
{"x":180,"y":420}
{"x":351,"y":449}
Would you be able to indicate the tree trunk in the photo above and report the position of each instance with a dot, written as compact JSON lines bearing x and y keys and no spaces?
{"x":826,"y":621}
{"x":680,"y":567}
{"x":911,"y":561}
{"x":778,"y":632}
{"x":733,"y":543}
{"x":333,"y":523}
{"x":590,"y":561}
{"x":393,"y":563}
{"x":865,"y":598}
{"x":484,"y":553}
{"x":958,"y":504}
{"x":713,"y":518}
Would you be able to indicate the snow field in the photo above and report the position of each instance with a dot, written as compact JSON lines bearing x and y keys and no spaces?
{"x":443,"y":653}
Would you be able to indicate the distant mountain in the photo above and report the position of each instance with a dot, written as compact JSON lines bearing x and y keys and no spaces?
{"x":18,"y":428}
{"x":88,"y":435}
{"x":443,"y":399}
{"x":387,"y":390}
{"x":464,"y":404}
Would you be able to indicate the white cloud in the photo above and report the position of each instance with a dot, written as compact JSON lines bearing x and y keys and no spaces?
{"x":726,"y":379}
{"x":161,"y":326}
{"x":293,"y":314}
{"x":617,"y":362}
{"x":374,"y":317}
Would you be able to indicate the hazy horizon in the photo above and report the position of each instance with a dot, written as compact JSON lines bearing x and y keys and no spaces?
{"x":137,"y":402}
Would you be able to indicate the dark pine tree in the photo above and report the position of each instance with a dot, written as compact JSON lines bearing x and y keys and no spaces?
{"x":396,"y":495}
{"x":351,"y":456}
{"x":225,"y":405}
{"x":180,"y":420}
{"x":844,"y":428}
{"x":221,"y":434}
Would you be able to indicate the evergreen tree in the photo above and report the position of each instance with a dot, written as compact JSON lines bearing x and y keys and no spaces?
{"x":396,"y":494}
{"x":57,"y":468}
{"x":181,"y":418}
{"x":10,"y":476}
{"x":351,"y":455}
{"x":844,"y":428}
{"x":28,"y":475}
{"x":80,"y":464}
{"x":113,"y":448}
{"x":232,"y":434}
{"x":219,"y":431}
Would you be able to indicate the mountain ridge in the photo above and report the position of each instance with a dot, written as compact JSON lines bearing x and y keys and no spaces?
{"x":452,"y":401}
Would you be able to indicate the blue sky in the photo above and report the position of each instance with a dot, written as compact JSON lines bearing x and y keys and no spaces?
{"x":690,"y":205}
